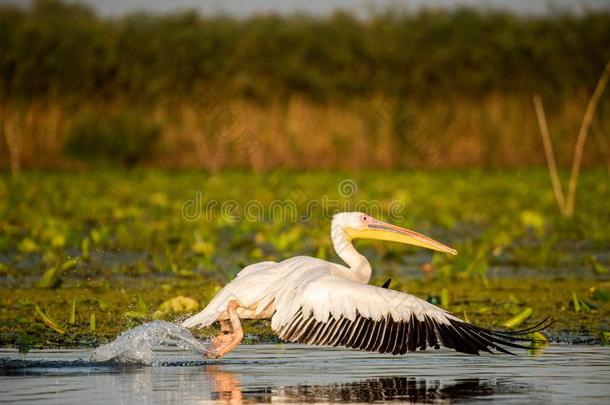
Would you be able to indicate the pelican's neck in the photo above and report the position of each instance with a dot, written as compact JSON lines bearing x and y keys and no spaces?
{"x":360,"y":268}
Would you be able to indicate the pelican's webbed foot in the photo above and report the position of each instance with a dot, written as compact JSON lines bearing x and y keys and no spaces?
{"x":227,"y":340}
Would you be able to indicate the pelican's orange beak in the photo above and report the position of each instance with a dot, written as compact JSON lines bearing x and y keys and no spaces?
{"x":383,"y":231}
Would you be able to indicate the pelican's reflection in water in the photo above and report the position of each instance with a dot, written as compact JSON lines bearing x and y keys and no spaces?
{"x":407,"y":389}
{"x":236,"y":382}
{"x":226,"y":387}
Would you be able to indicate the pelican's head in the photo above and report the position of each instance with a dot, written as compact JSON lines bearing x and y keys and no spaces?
{"x":360,"y":225}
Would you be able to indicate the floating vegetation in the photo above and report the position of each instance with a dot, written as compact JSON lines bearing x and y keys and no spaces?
{"x":51,"y":278}
{"x":575,"y":302}
{"x":597,"y":266}
{"x":601,"y":293}
{"x":581,"y":304}
{"x":85,"y":246}
{"x":177,"y":305}
{"x":50,"y":322}
{"x":519,"y":318}
{"x":465,"y":317}
{"x":142,"y":306}
{"x":92,"y":324}
{"x":72,"y":320}
{"x":100,"y":268}
{"x":445,"y":298}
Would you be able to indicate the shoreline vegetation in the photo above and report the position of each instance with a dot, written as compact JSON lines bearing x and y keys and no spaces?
{"x":86,"y":255}
{"x":496,"y":131}
{"x":435,"y":88}
{"x":65,"y":320}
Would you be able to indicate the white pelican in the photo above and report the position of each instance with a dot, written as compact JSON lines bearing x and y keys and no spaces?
{"x":314,"y":301}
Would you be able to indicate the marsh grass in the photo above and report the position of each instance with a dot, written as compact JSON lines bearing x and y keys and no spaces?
{"x":503,"y":304}
{"x":494,"y":131}
{"x":143,"y":252}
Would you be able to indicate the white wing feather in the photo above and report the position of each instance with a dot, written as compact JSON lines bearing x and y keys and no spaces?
{"x":315,"y":303}
{"x":325,"y":295}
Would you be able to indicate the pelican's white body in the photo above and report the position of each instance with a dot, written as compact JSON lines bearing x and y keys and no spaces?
{"x":315,"y":287}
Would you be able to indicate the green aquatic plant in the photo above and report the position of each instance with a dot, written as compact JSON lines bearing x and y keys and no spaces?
{"x":581,"y":304}
{"x":519,"y":318}
{"x":533,"y":220}
{"x":444,"y":298}
{"x":177,"y":305}
{"x":601,"y":292}
{"x":47,"y":320}
{"x":72,"y":320}
{"x":141,"y":247}
{"x":598,"y":267}
{"x":103,"y":304}
{"x":575,"y":302}
{"x":24,"y":342}
{"x":142,"y":306}
{"x":27,"y":245}
{"x":49,"y":279}
{"x":52,"y":277}
{"x":85,"y":249}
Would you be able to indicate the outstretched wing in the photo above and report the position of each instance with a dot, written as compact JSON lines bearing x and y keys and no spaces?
{"x":334,"y":311}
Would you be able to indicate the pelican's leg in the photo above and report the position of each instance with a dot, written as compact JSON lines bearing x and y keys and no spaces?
{"x":224,"y":326}
{"x":225,"y":342}
{"x":223,"y":339}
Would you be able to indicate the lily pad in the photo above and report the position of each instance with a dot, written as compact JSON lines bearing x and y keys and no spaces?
{"x":177,"y":305}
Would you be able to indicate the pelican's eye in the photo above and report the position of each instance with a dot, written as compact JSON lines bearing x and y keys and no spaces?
{"x":364,"y":219}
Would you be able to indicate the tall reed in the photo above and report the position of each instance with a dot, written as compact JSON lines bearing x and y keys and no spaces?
{"x":495,"y":131}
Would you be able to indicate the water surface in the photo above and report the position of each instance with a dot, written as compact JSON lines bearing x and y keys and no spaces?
{"x":298,"y":373}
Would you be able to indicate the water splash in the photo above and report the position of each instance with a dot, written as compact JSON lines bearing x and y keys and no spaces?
{"x":137,"y":345}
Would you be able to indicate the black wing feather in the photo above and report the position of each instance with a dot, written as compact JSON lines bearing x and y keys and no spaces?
{"x":400,"y":336}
